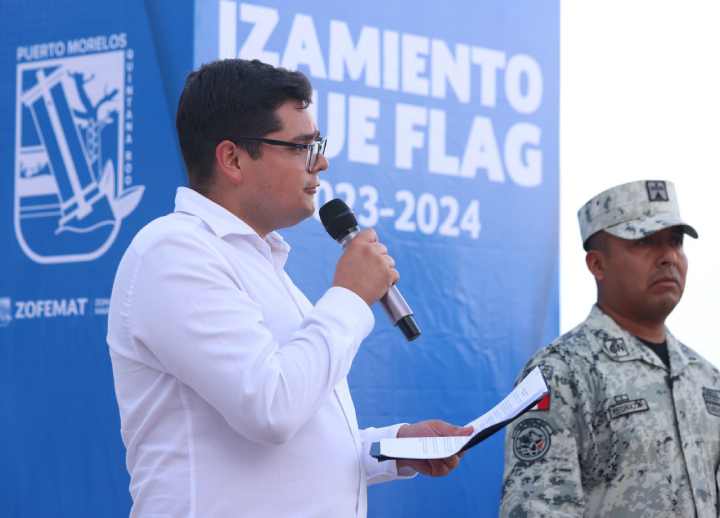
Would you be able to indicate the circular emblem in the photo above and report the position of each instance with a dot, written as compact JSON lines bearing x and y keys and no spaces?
{"x":531,"y":439}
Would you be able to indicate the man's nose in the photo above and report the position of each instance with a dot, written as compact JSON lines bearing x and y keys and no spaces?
{"x":669,"y":254}
{"x":321,"y":164}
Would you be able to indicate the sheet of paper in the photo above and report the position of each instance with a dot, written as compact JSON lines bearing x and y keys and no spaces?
{"x":526,"y":393}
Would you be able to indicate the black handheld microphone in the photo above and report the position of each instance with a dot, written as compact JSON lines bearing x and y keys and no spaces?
{"x":340,"y":223}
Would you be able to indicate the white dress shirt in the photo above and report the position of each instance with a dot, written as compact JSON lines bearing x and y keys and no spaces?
{"x":231,"y":386}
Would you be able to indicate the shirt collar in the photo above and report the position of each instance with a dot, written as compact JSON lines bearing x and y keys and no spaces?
{"x":617,"y":343}
{"x":221,"y":221}
{"x":680,"y":355}
{"x":623,"y":346}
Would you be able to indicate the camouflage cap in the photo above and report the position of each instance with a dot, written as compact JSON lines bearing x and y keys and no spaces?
{"x":632,"y":211}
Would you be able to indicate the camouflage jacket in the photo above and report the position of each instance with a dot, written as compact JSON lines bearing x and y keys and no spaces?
{"x":621,"y":434}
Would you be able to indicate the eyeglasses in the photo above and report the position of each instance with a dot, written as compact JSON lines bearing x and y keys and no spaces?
{"x":314,"y":148}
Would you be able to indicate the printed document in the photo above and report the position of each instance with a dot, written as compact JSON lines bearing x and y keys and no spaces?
{"x":528,"y":392}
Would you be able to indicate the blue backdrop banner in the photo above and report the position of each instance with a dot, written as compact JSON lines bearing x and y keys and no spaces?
{"x":442,"y":129}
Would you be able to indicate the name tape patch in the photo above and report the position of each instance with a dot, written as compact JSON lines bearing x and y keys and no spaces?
{"x":627,"y":407}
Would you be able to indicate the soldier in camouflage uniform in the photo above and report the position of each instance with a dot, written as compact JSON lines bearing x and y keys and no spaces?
{"x":632,"y":423}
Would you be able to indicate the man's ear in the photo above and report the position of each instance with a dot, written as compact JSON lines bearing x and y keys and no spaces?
{"x":228,"y":162}
{"x":595,"y":261}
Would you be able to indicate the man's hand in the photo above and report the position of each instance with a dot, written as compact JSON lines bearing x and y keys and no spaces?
{"x":366,"y":268}
{"x":432,"y":428}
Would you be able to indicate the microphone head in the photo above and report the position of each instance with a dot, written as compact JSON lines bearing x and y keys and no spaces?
{"x":337,"y":218}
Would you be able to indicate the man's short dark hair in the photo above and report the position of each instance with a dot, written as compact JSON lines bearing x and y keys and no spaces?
{"x":228,"y":99}
{"x":598,"y":242}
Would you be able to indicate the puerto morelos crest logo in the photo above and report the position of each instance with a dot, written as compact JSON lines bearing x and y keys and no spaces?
{"x":73,"y":154}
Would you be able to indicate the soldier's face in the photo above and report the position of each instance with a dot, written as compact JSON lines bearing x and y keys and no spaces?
{"x":644,"y":278}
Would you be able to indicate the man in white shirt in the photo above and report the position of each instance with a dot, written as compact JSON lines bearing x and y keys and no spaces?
{"x":231,"y":385}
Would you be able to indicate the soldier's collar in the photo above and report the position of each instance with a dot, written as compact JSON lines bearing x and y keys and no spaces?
{"x":622,"y":346}
{"x":680,"y":355}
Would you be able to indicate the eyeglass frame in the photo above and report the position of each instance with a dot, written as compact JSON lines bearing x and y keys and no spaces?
{"x":314,"y":148}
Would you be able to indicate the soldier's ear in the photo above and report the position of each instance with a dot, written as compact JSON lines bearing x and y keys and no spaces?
{"x":595,"y":261}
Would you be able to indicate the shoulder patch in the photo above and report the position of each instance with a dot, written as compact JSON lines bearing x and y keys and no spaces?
{"x":543,"y":404}
{"x":625,"y":406}
{"x":531,"y":439}
{"x":712,"y":400}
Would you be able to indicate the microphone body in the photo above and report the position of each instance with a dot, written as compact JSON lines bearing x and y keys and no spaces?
{"x":393,"y":302}
{"x":341,"y":224}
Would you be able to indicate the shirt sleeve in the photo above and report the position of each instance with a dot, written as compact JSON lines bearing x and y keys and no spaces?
{"x":385,"y":471}
{"x":542,"y":475}
{"x":185,"y":306}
